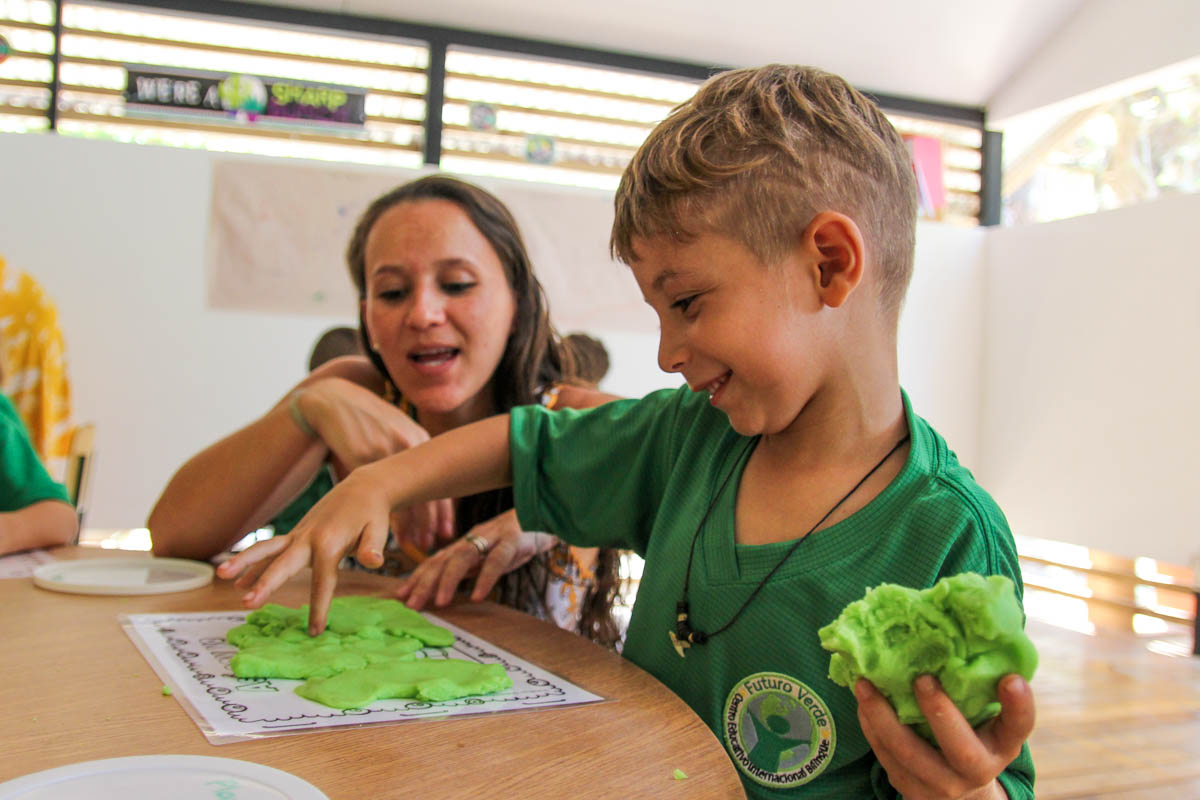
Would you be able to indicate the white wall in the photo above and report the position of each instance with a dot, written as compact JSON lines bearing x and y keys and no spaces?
{"x":1090,"y":373}
{"x":116,"y":234}
{"x":1091,"y":379}
{"x":1104,"y":42}
{"x":941,"y":332}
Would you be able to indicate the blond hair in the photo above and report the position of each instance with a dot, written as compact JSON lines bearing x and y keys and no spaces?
{"x":757,"y":153}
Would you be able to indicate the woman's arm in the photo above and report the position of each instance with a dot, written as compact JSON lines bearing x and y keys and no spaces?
{"x":217,"y":495}
{"x":47,"y":523}
{"x":243,"y":480}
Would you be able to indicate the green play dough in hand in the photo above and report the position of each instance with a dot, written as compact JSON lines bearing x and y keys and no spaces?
{"x":365,"y":653}
{"x":966,"y":630}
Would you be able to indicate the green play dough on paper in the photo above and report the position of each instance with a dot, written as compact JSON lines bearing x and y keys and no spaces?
{"x":264,"y":659}
{"x":365,"y":653}
{"x":429,"y":679}
{"x":966,"y":630}
{"x":361,"y":617}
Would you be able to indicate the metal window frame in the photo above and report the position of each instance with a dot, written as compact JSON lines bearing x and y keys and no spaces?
{"x":55,"y":68}
{"x":440,"y":38}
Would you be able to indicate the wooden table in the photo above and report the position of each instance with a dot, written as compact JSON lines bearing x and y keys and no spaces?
{"x":74,"y":688}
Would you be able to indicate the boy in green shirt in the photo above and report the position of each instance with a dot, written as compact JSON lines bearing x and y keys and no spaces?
{"x":770,"y":223}
{"x":34,"y":511}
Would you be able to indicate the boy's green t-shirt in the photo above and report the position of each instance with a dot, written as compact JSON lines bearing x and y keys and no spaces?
{"x":23,"y":479}
{"x":640,"y":474}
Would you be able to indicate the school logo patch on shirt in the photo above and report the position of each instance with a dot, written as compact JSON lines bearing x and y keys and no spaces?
{"x":779,"y":731}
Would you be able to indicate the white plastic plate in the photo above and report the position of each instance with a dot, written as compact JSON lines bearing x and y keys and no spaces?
{"x":176,"y":777}
{"x":123,"y":575}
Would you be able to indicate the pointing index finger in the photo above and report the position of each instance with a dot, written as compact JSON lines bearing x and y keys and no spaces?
{"x":293,"y":559}
{"x":323,"y":583}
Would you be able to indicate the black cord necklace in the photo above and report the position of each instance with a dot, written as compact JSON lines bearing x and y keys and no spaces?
{"x":684,"y":634}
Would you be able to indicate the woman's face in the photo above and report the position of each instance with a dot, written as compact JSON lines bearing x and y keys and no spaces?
{"x":438,"y":307}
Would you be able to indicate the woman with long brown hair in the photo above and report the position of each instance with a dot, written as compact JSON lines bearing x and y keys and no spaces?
{"x":455,"y":328}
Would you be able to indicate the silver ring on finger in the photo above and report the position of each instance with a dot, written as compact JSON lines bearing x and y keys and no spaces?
{"x":479,"y":543}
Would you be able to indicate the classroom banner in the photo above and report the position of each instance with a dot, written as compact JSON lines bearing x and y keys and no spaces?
{"x":241,"y":98}
{"x":278,"y":233}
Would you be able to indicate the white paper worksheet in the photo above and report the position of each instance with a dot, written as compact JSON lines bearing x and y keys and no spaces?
{"x":22,"y":565}
{"x":189,"y":653}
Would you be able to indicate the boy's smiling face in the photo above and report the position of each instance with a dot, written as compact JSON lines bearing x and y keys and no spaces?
{"x":748,"y":333}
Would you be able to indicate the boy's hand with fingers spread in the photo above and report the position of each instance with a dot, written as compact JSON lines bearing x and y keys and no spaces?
{"x":353,"y":516}
{"x":492,"y":548}
{"x":966,"y":766}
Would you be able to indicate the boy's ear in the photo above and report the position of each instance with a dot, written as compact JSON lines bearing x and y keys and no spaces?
{"x":834,"y":245}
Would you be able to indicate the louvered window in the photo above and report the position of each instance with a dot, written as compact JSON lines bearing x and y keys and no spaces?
{"x":545,"y":120}
{"x":953,"y":151}
{"x":146,"y":75}
{"x":26,"y":64}
{"x":1114,"y":147}
{"x":155,"y":77}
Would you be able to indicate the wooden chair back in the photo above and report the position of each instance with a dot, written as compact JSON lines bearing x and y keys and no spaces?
{"x":80,"y":457}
